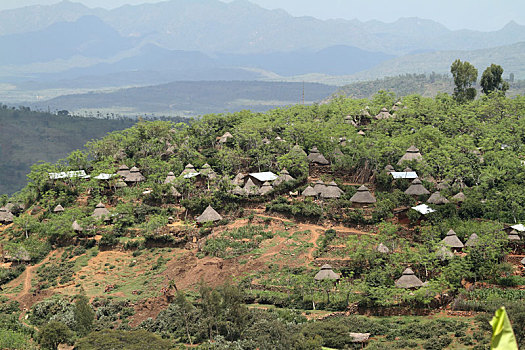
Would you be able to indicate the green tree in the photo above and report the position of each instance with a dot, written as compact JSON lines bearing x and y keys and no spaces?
{"x":84,"y":315}
{"x":491,"y":80}
{"x":464,"y":74}
{"x":53,"y":334}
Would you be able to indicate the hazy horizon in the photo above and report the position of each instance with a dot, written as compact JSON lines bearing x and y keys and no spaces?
{"x":484,"y":15}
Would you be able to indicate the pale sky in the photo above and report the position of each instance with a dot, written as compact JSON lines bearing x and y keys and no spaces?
{"x":483,"y":15}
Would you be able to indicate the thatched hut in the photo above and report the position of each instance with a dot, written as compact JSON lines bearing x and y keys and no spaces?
{"x":208,"y":215}
{"x":383,"y":114}
{"x":101,"y":212}
{"x":225,"y":138}
{"x":326,"y":273}
{"x":316,"y":157}
{"x":283,"y":177}
{"x":389,"y":168}
{"x":452,"y":241}
{"x":381,"y":248}
{"x":238,"y":180}
{"x":121,"y":184}
{"x":416,"y":188}
{"x":513,"y":236}
{"x":442,"y":186}
{"x":134,"y":176}
{"x":412,"y":153}
{"x":437,"y":198}
{"x":319,"y":186}
{"x":266,"y":141}
{"x":523,"y":261}
{"x":443,"y":253}
{"x":265,"y":188}
{"x":188,"y":169}
{"x":174,"y":192}
{"x":408,"y":280}
{"x":123,"y":170}
{"x":238,"y":191}
{"x":76,"y":227}
{"x":459,"y":197}
{"x":361,"y":133}
{"x":5,"y":216}
{"x":251,"y":188}
{"x":58,"y":209}
{"x":170,"y":178}
{"x":208,"y":172}
{"x":363,"y":196}
{"x":309,"y":192}
{"x":472,"y":241}
{"x":298,"y":150}
{"x":331,"y":191}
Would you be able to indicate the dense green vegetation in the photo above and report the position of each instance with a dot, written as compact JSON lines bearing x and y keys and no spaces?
{"x":476,"y":147}
{"x":27,"y":137}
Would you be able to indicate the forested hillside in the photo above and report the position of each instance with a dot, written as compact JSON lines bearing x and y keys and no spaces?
{"x":27,"y":137}
{"x":181,"y":237}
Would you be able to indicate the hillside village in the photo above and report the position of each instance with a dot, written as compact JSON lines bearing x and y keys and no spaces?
{"x":294,"y":228}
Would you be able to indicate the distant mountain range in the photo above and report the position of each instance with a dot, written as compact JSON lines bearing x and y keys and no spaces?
{"x":68,"y":46}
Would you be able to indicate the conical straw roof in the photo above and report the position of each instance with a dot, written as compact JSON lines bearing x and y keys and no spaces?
{"x":238,"y":180}
{"x":408,"y":280}
{"x":309,"y":192}
{"x":134,"y":175}
{"x":381,"y":248}
{"x":389,"y":168}
{"x":319,"y":186}
{"x":514,"y":236}
{"x":460,"y":197}
{"x":452,"y":240}
{"x":238,"y":191}
{"x":472,"y":241}
{"x":363,"y":196}
{"x":331,"y":191}
{"x":326,"y":273}
{"x":523,"y":261}
{"x":443,"y":253}
{"x":284,"y":176}
{"x":100,"y":211}
{"x":437,"y":198}
{"x":416,"y":189}
{"x":170,"y":178}
{"x":58,"y":209}
{"x":188,"y":169}
{"x":123,"y":170}
{"x":383,"y":114}
{"x":265,"y":188}
{"x":120,"y":184}
{"x":298,"y":149}
{"x":208,"y":172}
{"x":76,"y":226}
{"x":174,"y":192}
{"x":250,"y":187}
{"x":316,"y":157}
{"x":412,"y":153}
{"x":209,"y":215}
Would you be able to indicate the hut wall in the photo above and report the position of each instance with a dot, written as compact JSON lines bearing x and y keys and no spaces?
{"x":315,"y":170}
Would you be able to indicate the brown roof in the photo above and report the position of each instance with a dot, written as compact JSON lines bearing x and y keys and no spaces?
{"x":326,"y":273}
{"x":383,"y":114}
{"x":460,"y":197}
{"x":389,"y":168}
{"x":437,"y":198}
{"x":331,"y":191}
{"x":170,"y":178}
{"x":100,"y":211}
{"x":472,"y":241}
{"x":208,"y":172}
{"x":412,"y":153}
{"x":408,"y":280}
{"x":299,"y":150}
{"x":309,"y":192}
{"x":134,"y":175}
{"x":174,"y":192}
{"x":319,"y":186}
{"x":316,"y":157}
{"x":238,"y":179}
{"x":443,"y":253}
{"x":123,"y":170}
{"x":250,"y":187}
{"x":188,"y":169}
{"x":120,"y":183}
{"x":208,"y":215}
{"x":442,"y":186}
{"x":363,"y":196}
{"x":513,"y":236}
{"x":265,"y":188}
{"x":237,"y":190}
{"x":284,"y":176}
{"x":416,"y":188}
{"x":452,"y":240}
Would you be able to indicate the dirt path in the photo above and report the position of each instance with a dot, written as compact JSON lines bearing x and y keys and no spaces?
{"x":28,"y":277}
